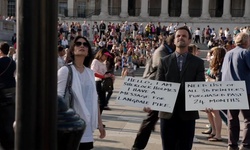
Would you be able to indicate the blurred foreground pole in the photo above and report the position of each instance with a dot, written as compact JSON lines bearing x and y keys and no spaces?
{"x":36,"y":75}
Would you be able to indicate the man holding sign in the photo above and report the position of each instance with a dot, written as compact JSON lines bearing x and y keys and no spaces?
{"x":178,"y":127}
{"x":236,"y":67}
{"x":148,"y":124}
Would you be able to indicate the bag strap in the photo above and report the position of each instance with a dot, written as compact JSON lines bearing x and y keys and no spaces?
{"x":7,"y":67}
{"x":168,"y":48}
{"x":69,"y":85}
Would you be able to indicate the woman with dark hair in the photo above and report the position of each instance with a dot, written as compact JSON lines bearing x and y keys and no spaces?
{"x":99,"y":67}
{"x":7,"y":98}
{"x":79,"y":56}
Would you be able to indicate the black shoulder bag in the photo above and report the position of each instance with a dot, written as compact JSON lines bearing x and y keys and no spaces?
{"x":68,"y":96}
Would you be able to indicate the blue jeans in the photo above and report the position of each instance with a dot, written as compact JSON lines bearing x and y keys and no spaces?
{"x":177,"y":134}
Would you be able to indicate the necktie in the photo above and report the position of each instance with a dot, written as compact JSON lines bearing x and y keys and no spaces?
{"x":180,"y":62}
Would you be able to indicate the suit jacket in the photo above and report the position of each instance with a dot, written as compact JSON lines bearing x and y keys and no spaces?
{"x":193,"y":70}
{"x":236,"y":66}
{"x":153,"y":63}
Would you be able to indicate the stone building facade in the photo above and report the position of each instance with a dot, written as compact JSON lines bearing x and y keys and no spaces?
{"x":196,"y":13}
{"x":155,"y":9}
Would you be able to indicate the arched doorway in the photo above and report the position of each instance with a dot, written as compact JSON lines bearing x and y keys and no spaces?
{"x":154,"y":7}
{"x":114,"y":7}
{"x":174,"y":8}
{"x":195,"y":8}
{"x":216,"y":8}
{"x":134,"y":7}
{"x":238,"y":8}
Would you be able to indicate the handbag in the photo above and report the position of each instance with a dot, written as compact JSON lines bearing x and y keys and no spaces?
{"x":68,"y":96}
{"x":107,"y":84}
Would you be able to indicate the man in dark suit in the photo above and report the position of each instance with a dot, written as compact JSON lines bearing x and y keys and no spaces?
{"x":167,"y":47}
{"x":178,"y":127}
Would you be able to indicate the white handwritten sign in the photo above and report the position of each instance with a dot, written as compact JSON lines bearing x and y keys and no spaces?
{"x":157,"y":95}
{"x":216,"y":95}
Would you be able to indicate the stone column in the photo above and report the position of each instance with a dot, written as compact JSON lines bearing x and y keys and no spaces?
{"x":247,"y":9}
{"x":164,"y":9}
{"x":71,"y":8}
{"x":124,"y":9}
{"x":226,"y":9}
{"x":36,"y":87}
{"x":184,"y":9}
{"x":205,"y":9}
{"x":3,"y":9}
{"x":144,"y":8}
{"x":104,"y":8}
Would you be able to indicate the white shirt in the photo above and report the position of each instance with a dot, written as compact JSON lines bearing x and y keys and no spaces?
{"x":65,"y":42}
{"x":99,"y":68}
{"x":85,"y":97}
{"x":60,"y":62}
{"x":197,"y":32}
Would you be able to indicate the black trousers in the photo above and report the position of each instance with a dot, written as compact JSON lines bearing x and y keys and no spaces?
{"x":177,"y":134}
{"x":101,"y":96}
{"x":108,"y":98}
{"x":7,"y":118}
{"x":145,"y":130}
{"x":86,"y":146}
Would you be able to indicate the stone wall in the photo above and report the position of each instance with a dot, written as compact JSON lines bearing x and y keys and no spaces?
{"x":7,"y":29}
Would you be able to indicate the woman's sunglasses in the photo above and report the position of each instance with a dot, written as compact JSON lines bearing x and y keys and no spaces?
{"x":85,"y":44}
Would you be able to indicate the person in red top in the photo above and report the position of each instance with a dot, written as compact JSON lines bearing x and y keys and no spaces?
{"x":100,"y":69}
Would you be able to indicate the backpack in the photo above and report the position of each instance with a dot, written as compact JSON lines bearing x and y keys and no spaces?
{"x":150,"y":71}
{"x":107,"y":84}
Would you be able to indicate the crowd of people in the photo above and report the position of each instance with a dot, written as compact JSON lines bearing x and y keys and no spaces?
{"x":125,"y":47}
{"x":132,"y":45}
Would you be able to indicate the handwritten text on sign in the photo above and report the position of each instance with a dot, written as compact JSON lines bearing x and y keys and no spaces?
{"x":157,"y":95}
{"x":216,"y":95}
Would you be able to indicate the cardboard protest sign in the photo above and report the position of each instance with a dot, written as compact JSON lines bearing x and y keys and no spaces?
{"x":216,"y":95}
{"x":157,"y":95}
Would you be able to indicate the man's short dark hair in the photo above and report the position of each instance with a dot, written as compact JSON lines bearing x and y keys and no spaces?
{"x":185,"y":28}
{"x":5,"y":48}
{"x":59,"y":48}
